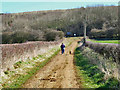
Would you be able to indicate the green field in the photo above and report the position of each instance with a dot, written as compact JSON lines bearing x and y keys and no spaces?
{"x":105,"y":41}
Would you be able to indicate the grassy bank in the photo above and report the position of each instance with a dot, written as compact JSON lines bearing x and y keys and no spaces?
{"x":89,"y":74}
{"x":18,"y":79}
{"x":105,"y":41}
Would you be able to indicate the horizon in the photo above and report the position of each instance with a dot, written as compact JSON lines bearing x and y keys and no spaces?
{"x":19,"y":7}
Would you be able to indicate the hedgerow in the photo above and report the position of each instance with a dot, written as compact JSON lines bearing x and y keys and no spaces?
{"x":89,"y":75}
{"x":110,"y":51}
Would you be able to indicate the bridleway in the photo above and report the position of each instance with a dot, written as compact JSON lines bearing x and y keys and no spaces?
{"x":58,"y":73}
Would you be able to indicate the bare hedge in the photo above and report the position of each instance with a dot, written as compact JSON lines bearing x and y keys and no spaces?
{"x":110,"y":51}
{"x":12,"y":53}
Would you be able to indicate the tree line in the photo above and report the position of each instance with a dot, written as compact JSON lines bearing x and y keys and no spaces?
{"x":101,"y":21}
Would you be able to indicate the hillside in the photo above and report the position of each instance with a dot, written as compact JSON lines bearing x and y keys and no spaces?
{"x":45,"y":25}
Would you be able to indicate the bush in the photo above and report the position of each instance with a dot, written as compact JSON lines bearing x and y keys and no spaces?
{"x":19,"y":37}
{"x":52,"y":35}
{"x":6,"y":38}
{"x":110,"y":33}
{"x":23,"y":36}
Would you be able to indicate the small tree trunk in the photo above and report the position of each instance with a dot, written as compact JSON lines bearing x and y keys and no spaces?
{"x":84,"y":33}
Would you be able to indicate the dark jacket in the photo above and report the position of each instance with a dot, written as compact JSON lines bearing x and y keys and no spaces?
{"x":62,"y":46}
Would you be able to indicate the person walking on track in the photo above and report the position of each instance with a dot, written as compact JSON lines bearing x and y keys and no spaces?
{"x":62,"y":48}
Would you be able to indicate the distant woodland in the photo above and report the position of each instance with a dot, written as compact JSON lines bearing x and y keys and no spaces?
{"x":102,"y":23}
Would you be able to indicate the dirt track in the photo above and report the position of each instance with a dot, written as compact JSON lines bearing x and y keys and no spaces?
{"x":58,"y":73}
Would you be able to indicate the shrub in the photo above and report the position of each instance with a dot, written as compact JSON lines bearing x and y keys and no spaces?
{"x":22,"y":36}
{"x":109,"y":33}
{"x":6,"y":38}
{"x":52,"y":35}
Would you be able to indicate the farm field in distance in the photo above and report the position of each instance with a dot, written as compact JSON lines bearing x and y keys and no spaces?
{"x":105,"y":41}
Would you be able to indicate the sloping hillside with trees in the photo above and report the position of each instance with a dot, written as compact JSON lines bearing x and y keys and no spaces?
{"x":102,"y":22}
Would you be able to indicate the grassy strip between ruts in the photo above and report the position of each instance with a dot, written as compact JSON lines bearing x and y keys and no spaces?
{"x":105,"y":41}
{"x":89,"y":75}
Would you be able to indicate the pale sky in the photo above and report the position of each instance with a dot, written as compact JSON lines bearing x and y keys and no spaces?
{"x":15,"y":6}
{"x":60,"y":0}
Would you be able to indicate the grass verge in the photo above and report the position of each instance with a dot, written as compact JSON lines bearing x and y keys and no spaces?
{"x":18,"y":80}
{"x":89,"y":74}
